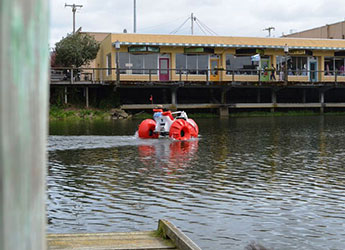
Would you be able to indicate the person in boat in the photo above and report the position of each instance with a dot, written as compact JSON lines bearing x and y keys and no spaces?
{"x":157,"y":111}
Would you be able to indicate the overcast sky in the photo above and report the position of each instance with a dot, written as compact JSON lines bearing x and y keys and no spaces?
{"x":224,"y":17}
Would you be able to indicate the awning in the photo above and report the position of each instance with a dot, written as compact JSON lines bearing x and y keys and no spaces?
{"x":211,"y":45}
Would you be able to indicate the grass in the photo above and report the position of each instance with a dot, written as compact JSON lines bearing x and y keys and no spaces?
{"x":56,"y":113}
{"x":71,"y":113}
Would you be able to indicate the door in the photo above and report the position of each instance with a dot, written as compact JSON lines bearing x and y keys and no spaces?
{"x":313,"y":71}
{"x":214,"y":69}
{"x":164,"y":69}
{"x":265,"y":73}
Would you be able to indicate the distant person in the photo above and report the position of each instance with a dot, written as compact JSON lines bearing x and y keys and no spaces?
{"x":281,"y":73}
{"x":327,"y":70}
{"x":273,"y":73}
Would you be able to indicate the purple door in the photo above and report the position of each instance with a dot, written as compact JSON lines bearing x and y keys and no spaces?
{"x":163,"y":69}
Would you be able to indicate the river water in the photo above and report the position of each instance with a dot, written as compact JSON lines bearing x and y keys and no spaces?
{"x":277,"y":181}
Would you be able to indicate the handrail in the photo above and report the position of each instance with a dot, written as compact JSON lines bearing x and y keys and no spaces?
{"x":94,"y":75}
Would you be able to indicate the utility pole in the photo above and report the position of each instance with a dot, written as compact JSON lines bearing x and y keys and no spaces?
{"x":192,"y":19}
{"x":269,"y":30}
{"x":135,"y":17}
{"x":74,"y":9}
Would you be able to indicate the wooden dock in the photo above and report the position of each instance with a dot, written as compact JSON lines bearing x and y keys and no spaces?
{"x":167,"y":236}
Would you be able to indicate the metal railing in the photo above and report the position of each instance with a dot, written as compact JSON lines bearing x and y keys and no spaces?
{"x":101,"y":75}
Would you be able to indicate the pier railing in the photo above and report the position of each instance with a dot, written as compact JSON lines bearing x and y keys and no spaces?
{"x":107,"y":75}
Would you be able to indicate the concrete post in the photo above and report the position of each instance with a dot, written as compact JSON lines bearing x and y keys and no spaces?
{"x":322,"y":101}
{"x":304,"y":97}
{"x":223,"y":95}
{"x":274,"y":99}
{"x":258,"y":97}
{"x":174,"y":96}
{"x":87,"y":96}
{"x":224,"y":110}
{"x":24,"y":90}
{"x":65,"y":94}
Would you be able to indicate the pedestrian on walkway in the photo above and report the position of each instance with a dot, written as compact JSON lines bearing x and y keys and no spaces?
{"x":273,"y":73}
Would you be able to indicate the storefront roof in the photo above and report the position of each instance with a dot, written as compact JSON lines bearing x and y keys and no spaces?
{"x":228,"y":42}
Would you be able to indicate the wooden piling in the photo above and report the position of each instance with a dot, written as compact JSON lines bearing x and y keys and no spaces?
{"x":24,"y":55}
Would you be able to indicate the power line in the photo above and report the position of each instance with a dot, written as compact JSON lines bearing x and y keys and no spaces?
{"x":178,"y":28}
{"x":201,"y":28}
{"x":162,"y":24}
{"x":207,"y":28}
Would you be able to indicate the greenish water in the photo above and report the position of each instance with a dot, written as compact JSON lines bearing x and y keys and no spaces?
{"x":278,"y":181}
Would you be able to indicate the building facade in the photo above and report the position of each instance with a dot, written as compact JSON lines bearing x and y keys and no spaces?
{"x":328,"y":31}
{"x":208,"y":58}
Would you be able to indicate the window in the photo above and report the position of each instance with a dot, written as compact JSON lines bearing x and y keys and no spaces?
{"x":339,"y":66}
{"x":297,"y":65}
{"x":334,"y":65}
{"x":181,"y":62}
{"x":137,"y":60}
{"x":138,"y":63}
{"x":108,"y":62}
{"x":329,"y":66}
{"x":124,"y":63}
{"x":240,"y":65}
{"x":194,"y":64}
{"x":151,"y":62}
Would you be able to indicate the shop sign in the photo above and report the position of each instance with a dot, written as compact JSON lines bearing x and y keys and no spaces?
{"x":136,"y":49}
{"x":297,"y":52}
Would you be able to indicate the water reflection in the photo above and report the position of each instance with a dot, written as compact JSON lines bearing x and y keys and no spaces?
{"x":167,"y":154}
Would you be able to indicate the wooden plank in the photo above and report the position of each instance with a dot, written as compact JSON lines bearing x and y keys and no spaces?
{"x":335,"y":105}
{"x":24,"y":55}
{"x":181,"y":241}
{"x":109,"y":241}
{"x":275,"y":105}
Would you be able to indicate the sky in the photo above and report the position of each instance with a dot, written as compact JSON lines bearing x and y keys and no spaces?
{"x":223,"y":17}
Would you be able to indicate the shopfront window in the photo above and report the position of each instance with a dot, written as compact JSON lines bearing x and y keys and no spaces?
{"x":296,"y":65}
{"x":240,"y":65}
{"x":138,"y":63}
{"x":334,"y":65}
{"x":192,"y":63}
{"x":329,"y":66}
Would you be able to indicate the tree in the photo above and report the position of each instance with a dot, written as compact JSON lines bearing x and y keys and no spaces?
{"x":76,"y":50}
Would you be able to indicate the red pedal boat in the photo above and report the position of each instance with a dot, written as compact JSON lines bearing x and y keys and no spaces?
{"x":176,"y":125}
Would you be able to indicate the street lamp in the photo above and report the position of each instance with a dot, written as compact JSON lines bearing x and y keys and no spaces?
{"x":117,"y":47}
{"x":286,"y":51}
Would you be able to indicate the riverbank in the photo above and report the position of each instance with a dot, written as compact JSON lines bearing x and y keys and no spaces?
{"x":71,"y":113}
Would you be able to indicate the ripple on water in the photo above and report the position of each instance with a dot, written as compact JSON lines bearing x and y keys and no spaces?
{"x":276,"y":181}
